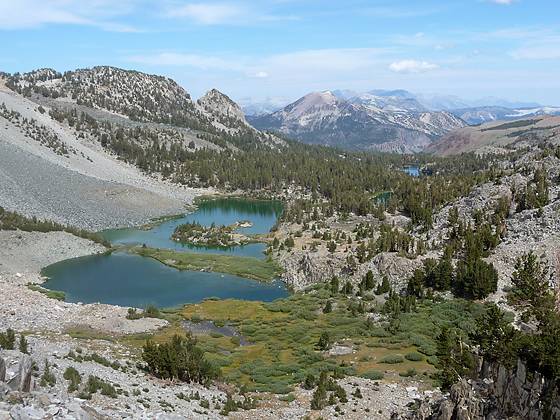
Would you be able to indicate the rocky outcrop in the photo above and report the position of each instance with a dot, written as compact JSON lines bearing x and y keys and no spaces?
{"x":302,"y":269}
{"x":25,"y":371}
{"x":2,"y":369}
{"x":219,"y":104}
{"x":498,"y":393}
{"x":397,"y":269}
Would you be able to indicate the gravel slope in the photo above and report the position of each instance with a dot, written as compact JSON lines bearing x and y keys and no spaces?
{"x":89,"y":189}
{"x":36,"y":187}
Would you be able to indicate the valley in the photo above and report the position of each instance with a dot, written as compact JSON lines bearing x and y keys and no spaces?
{"x":310,"y":281}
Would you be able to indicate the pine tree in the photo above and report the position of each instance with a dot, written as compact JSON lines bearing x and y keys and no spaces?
{"x":369,"y":280}
{"x":23,"y":345}
{"x":335,"y":286}
{"x":384,"y":287}
{"x":324,"y":342}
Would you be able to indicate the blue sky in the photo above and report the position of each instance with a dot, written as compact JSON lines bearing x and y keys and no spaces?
{"x":286,"y":48}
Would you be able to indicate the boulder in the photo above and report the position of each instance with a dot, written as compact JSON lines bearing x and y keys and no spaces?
{"x":25,"y":371}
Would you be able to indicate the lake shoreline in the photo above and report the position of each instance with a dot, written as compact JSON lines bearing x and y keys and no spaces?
{"x":248,"y":267}
{"x":196,"y":272}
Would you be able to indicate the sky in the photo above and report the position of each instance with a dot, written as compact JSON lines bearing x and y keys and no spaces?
{"x":283,"y":49}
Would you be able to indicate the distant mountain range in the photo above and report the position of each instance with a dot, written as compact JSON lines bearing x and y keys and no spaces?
{"x":385,"y":120}
{"x":392,"y":122}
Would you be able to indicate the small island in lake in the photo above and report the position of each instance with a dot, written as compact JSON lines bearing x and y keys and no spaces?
{"x":214,"y":235}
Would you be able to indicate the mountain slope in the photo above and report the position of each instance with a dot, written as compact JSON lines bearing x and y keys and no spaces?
{"x":391,"y":123}
{"x":81,"y":143}
{"x":499,"y":135}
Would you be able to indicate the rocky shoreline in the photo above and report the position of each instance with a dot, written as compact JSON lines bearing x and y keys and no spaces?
{"x":22,"y":256}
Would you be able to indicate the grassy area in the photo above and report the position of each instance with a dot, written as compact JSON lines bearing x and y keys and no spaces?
{"x":252,"y":268}
{"x":283,"y":336}
{"x":52,"y":294}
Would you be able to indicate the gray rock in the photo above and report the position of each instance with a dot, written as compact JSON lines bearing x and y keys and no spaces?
{"x":2,"y":370}
{"x":25,"y":371}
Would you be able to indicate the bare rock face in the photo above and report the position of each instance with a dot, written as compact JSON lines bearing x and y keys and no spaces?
{"x":397,"y":269}
{"x":2,"y":370}
{"x":497,"y":393}
{"x":302,"y":269}
{"x":217,"y":103}
{"x":25,"y":371}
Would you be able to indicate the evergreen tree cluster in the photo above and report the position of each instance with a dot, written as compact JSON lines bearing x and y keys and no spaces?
{"x":536,"y":192}
{"x":344,"y":182}
{"x":179,"y":359}
{"x":497,"y":340}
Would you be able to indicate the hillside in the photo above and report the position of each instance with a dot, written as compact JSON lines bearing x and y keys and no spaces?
{"x":75,"y":146}
{"x":498,"y":136}
{"x":389,"y":123}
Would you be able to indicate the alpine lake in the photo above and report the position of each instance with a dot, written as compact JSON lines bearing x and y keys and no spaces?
{"x":148,"y":267}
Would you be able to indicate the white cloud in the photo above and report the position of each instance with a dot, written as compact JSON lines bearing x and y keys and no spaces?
{"x":327,"y":60}
{"x":503,"y":2}
{"x":395,"y":12}
{"x":201,"y":62}
{"x":537,"y":52}
{"x":241,"y":13}
{"x":209,"y":14}
{"x":22,"y":14}
{"x":412,"y":66}
{"x":545,"y":46}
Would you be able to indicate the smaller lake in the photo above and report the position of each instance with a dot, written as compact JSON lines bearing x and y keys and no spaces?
{"x":262,"y":215}
{"x":133,"y":281}
{"x":412,"y":170}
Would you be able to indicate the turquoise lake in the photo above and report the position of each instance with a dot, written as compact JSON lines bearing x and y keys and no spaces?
{"x":133,"y":281}
{"x":262,"y":214}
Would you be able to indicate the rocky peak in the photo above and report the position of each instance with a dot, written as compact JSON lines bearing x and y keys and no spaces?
{"x":218,"y":103}
{"x":313,"y":101}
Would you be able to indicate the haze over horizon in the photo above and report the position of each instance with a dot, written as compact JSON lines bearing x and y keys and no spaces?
{"x":283,"y":48}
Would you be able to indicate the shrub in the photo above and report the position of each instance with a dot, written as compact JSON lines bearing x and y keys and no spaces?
{"x":133,"y":314}
{"x":319,"y":400}
{"x":409,"y":373}
{"x":288,"y":398}
{"x":324,"y":342}
{"x":414,"y":356}
{"x":432,"y":360}
{"x":47,"y":378}
{"x":310,"y":381}
{"x":95,"y":384}
{"x":23,"y":345}
{"x":8,"y":339}
{"x":374,"y":375}
{"x":74,"y":377}
{"x":392,"y":359}
{"x":151,"y":311}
